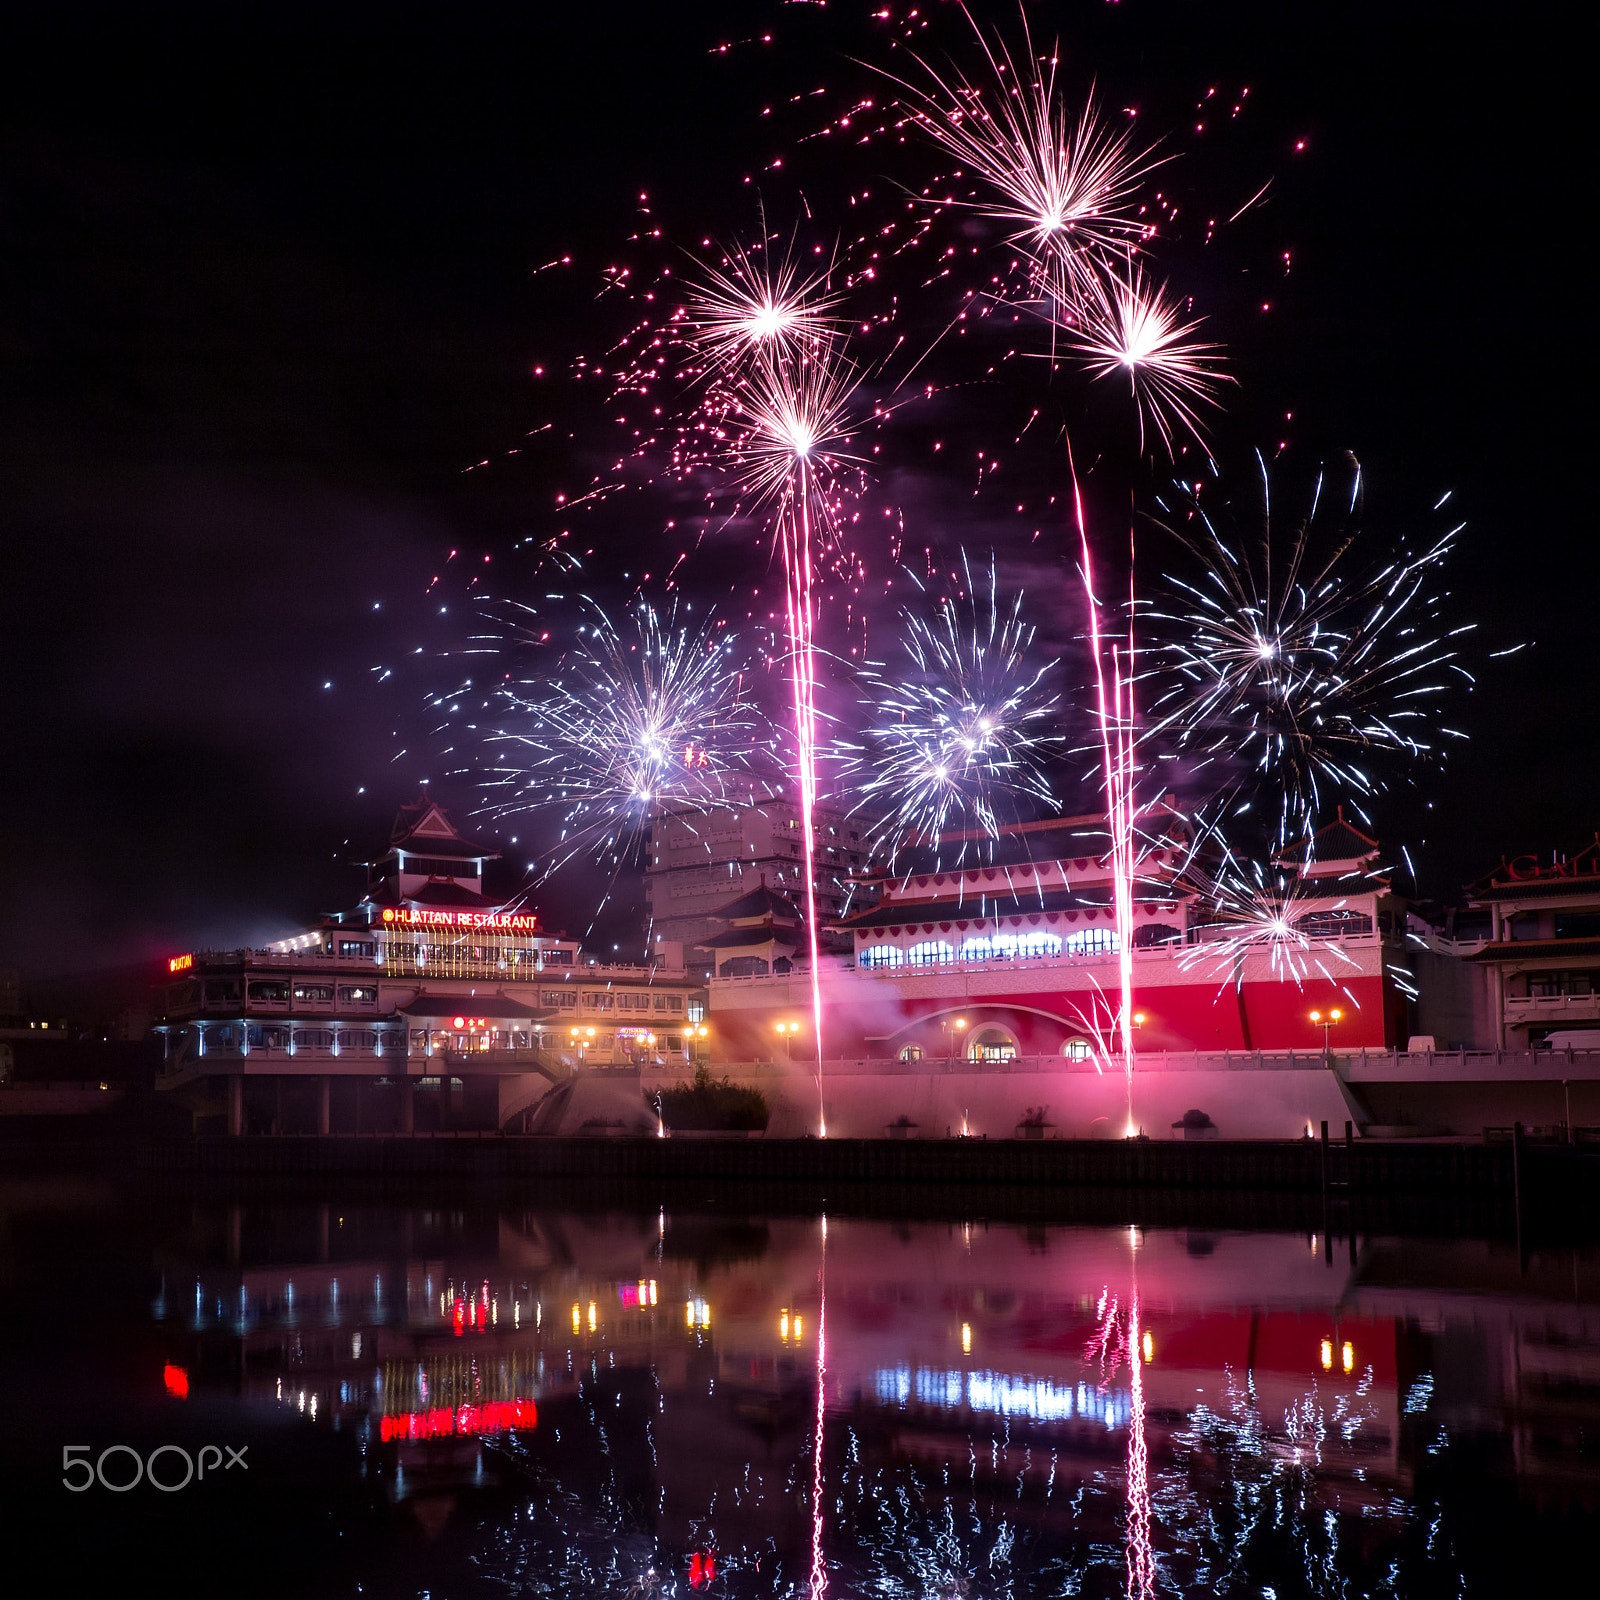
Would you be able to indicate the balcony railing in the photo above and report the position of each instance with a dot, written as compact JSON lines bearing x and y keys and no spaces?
{"x":1438,"y":1065}
{"x":1554,"y":1005}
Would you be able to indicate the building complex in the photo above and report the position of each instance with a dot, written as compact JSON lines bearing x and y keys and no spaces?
{"x":975,"y":998}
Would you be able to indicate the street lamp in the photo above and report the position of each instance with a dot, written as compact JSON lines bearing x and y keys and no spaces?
{"x":953,"y":1027}
{"x":1325,"y":1021}
{"x":788,"y":1030}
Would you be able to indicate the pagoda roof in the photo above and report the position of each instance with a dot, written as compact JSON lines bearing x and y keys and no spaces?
{"x":440,"y":896}
{"x":976,"y":908}
{"x":762,"y":902}
{"x":496,"y":1007}
{"x":744,"y":938}
{"x":1534,"y":949}
{"x":424,"y":828}
{"x":1336,"y":841}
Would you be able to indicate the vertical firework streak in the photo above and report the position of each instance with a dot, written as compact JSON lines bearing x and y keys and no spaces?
{"x":1114,"y":716}
{"x":1108,"y":1348}
{"x":1141,"y":1559}
{"x":819,"y":1575}
{"x":792,"y":412}
{"x":801,"y":606}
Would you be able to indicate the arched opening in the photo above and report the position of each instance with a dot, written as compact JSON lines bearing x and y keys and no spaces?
{"x":911,"y":1052}
{"x":1077,"y":1049}
{"x":992,"y":1044}
{"x":930,"y":953}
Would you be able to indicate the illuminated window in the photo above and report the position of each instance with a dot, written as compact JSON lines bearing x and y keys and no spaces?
{"x":911,"y":1052}
{"x":1077,"y":1049}
{"x":992,"y":1044}
{"x":930,"y":953}
{"x":882,"y":955}
{"x":1337,"y":924}
{"x":1011,"y":947}
{"x":1092,"y":941}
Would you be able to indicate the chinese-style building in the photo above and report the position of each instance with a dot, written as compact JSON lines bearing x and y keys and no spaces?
{"x":428,"y":984}
{"x":1543,"y":950}
{"x":1019,"y":957}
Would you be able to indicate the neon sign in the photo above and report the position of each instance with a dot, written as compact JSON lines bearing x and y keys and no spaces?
{"x":180,"y":963}
{"x":516,"y":921}
{"x":491,"y":1416}
{"x":472,"y":1022}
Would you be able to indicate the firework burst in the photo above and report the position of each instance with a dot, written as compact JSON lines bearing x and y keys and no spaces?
{"x":1135,"y":328}
{"x":1065,"y":185}
{"x":642,"y":716}
{"x":754,"y":306}
{"x":958,"y":727}
{"x":1318,"y":676}
{"x":1265,"y":912}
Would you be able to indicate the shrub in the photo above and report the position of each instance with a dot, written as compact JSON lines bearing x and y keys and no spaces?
{"x":705,"y":1106}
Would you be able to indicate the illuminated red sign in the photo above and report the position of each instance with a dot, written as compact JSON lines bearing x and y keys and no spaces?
{"x":471,"y":1022}
{"x":176,"y":1380}
{"x":444,"y":1422}
{"x":511,"y":921}
{"x":179,"y":963}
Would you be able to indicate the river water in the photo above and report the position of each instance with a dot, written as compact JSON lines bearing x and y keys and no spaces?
{"x":513,"y":1394}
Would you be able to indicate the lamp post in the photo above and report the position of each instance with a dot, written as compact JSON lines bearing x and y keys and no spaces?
{"x":701,"y":1050}
{"x":953,"y":1027}
{"x":788,"y":1030}
{"x":1326,"y":1021}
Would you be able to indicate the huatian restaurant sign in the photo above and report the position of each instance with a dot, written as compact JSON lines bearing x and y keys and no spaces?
{"x":180,"y":963}
{"x":511,"y":921}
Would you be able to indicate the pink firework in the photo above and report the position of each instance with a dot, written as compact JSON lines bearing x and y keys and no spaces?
{"x":1065,"y":185}
{"x":792,"y":416}
{"x":755,"y":307}
{"x":1134,"y":327}
{"x":1114,"y":717}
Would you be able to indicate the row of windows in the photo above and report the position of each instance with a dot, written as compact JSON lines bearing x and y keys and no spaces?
{"x":626,"y":1000}
{"x":996,"y":947}
{"x":400,"y":951}
{"x":434,"y":868}
{"x":995,"y":1044}
{"x":273,"y":1037}
{"x":307,"y":993}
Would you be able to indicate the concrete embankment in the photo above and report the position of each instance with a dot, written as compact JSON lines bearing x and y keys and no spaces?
{"x":1418,"y":1167}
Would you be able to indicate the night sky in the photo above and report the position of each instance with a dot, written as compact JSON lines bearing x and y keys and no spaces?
{"x":268,"y":296}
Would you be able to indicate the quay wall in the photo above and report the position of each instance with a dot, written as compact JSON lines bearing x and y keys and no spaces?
{"x":1303,"y":1165}
{"x":1254,"y":1096}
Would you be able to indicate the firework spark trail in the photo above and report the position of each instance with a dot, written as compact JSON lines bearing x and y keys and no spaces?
{"x":819,"y":1572}
{"x":1115,"y":722}
{"x":958,"y":727}
{"x":1107,"y":1349}
{"x":1284,"y":655}
{"x":1140,"y":1556}
{"x":788,"y":452}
